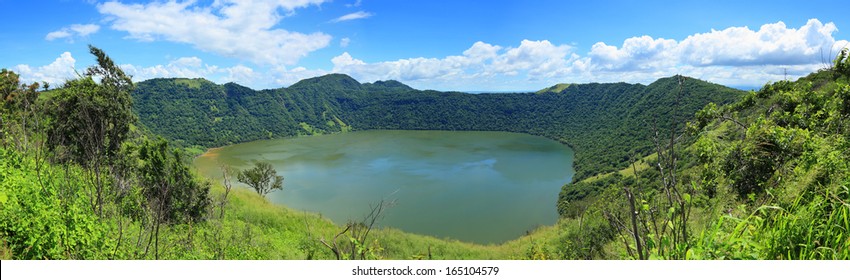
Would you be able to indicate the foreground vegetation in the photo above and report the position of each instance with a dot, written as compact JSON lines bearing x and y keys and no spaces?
{"x":765,"y":177}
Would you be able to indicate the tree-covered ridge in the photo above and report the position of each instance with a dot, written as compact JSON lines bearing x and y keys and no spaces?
{"x":600,"y":121}
{"x":766,"y":177}
{"x":75,"y":184}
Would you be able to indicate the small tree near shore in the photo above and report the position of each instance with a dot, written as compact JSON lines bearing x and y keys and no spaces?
{"x":262,"y":178}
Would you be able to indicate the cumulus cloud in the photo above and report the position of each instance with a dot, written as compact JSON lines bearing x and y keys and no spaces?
{"x":772,"y":44}
{"x":240,"y":74}
{"x":194,"y":67}
{"x":79,"y":30}
{"x":352,"y":16}
{"x":238,"y":29}
{"x":735,"y":56}
{"x":412,"y":69}
{"x":540,"y":58}
{"x":536,"y":59}
{"x":285,"y":77}
{"x":55,"y":73}
{"x":636,"y":53}
{"x":184,"y":67}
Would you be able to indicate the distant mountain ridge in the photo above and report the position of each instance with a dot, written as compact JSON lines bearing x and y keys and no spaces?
{"x":604,"y":123}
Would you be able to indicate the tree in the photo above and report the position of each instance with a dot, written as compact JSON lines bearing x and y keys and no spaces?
{"x":17,"y":108}
{"x":842,"y":63}
{"x":262,"y":178}
{"x":172,"y":193}
{"x":90,"y":120}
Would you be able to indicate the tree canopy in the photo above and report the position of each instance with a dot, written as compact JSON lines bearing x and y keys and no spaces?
{"x":262,"y":178}
{"x":603,"y":123}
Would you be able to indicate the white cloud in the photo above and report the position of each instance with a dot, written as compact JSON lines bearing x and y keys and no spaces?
{"x":81,"y":30}
{"x":240,"y":74}
{"x":193,"y":67}
{"x":735,"y":56}
{"x":238,"y":29}
{"x":352,"y":16}
{"x":539,"y":58}
{"x":184,"y":67}
{"x":284,"y":77}
{"x":355,"y":4}
{"x":412,"y":69}
{"x":85,"y":29}
{"x":772,"y":44}
{"x":58,"y":34}
{"x":55,"y":73}
{"x":636,"y":53}
{"x":480,"y":51}
{"x":535,"y":59}
{"x":62,"y":69}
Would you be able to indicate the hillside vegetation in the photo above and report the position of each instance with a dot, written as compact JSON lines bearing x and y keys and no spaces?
{"x":604,"y":123}
{"x":766,"y":177}
{"x":682,"y":169}
{"x":80,"y":179}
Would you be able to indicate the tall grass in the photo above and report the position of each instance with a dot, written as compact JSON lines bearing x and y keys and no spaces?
{"x":816,"y":226}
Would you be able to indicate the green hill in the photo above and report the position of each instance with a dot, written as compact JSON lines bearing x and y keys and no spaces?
{"x":555,"y":89}
{"x":763,"y":178}
{"x":684,"y":169}
{"x":600,"y":121}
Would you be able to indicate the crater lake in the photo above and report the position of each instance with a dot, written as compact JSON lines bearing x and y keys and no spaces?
{"x":482,"y":187}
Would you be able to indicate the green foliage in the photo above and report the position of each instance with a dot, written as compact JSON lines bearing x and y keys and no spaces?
{"x":168,"y":184}
{"x":789,"y":163}
{"x":88,"y":121}
{"x":91,"y":120}
{"x":262,"y":178}
{"x":842,"y":63}
{"x":585,"y":237}
{"x":603,"y":123}
{"x":763,"y":178}
{"x":766,"y":177}
{"x":47,"y":217}
{"x":574,"y":198}
{"x":18,"y":109}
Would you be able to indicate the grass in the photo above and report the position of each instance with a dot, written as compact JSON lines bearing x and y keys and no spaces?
{"x":278,"y":232}
{"x":556,"y":88}
{"x":640,"y":165}
{"x":191,"y":83}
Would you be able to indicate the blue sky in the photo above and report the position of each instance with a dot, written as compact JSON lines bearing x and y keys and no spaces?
{"x":444,"y":45}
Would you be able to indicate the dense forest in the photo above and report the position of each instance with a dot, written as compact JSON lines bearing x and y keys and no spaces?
{"x":765,"y":177}
{"x":604,"y":123}
{"x":678,"y":169}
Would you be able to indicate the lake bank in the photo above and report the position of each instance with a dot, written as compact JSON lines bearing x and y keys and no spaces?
{"x":483,"y":187}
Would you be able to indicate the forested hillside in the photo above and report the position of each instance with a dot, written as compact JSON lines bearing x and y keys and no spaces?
{"x":604,"y":123}
{"x":764,"y":177}
{"x":81,"y":179}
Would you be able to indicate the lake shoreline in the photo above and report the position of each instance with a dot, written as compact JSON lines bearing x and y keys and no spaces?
{"x":486,"y":167}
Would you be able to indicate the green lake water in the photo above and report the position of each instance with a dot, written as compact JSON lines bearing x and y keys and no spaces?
{"x":483,"y":187}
